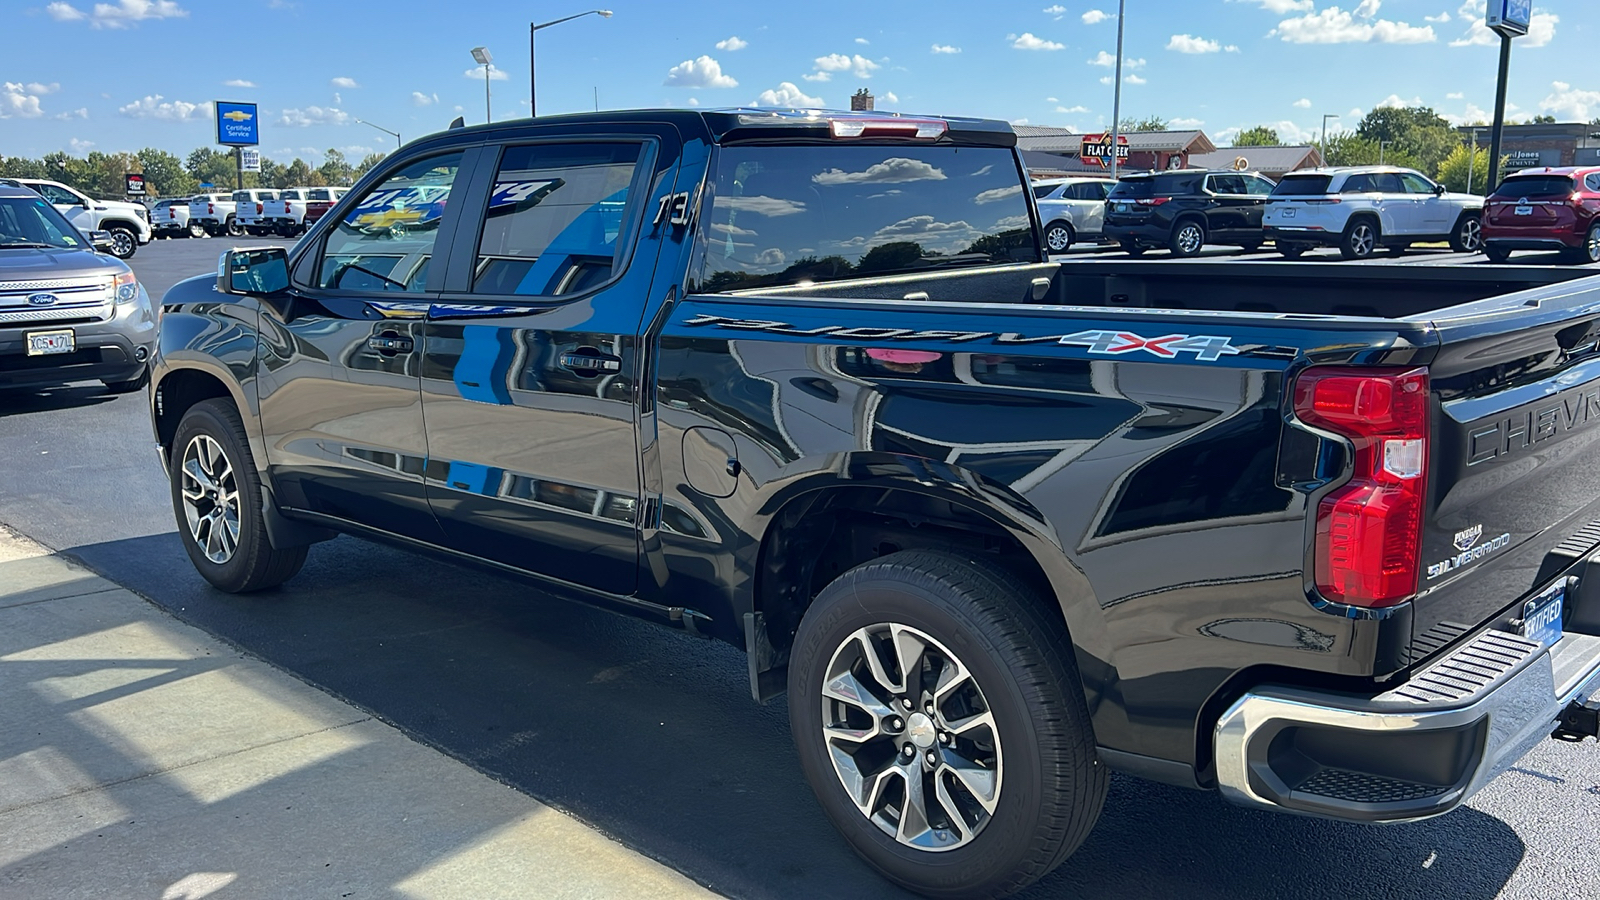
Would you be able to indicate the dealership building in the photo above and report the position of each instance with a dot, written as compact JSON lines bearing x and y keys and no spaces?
{"x":1531,"y":146}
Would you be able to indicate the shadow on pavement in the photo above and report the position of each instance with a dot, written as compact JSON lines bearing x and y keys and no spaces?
{"x":651,"y":736}
{"x":22,"y":401}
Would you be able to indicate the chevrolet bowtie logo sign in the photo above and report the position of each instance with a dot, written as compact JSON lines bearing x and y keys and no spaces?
{"x":238,"y":124}
{"x":238,"y":115}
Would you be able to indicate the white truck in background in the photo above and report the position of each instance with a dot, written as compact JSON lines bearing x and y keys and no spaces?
{"x":287,"y":214}
{"x":129,"y":223}
{"x":248,"y":206}
{"x":212,"y":214}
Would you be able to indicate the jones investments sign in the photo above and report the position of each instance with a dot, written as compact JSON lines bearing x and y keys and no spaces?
{"x":237,"y":124}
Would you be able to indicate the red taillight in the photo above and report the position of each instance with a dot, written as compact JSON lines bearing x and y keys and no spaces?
{"x":1152,"y":201}
{"x":211,"y":209}
{"x":1369,"y":531}
{"x":887,"y":126}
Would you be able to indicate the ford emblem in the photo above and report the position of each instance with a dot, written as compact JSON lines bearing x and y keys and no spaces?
{"x":42,"y":299}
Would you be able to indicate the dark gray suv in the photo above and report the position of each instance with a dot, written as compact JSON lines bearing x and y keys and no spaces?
{"x":69,"y":310}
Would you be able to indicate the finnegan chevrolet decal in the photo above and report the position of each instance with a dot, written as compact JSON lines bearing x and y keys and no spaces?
{"x":1205,"y":347}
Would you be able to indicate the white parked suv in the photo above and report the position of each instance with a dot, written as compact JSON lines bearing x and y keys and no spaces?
{"x":1361,"y":208}
{"x":1072,"y":209}
{"x":129,"y":223}
{"x":212,"y":214}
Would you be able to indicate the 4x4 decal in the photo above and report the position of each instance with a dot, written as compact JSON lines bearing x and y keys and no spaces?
{"x":1205,"y":347}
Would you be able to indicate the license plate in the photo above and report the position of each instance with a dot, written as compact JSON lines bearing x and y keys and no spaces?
{"x":43,"y":343}
{"x":1523,"y":211}
{"x":1288,"y":213}
{"x":1541,"y":616}
{"x":1122,"y":207}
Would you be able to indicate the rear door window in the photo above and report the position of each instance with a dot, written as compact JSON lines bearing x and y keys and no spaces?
{"x":1387,"y":183}
{"x":555,"y":218}
{"x":385,"y":243}
{"x":1226,"y":184}
{"x":1041,"y":191}
{"x":1358,"y":184}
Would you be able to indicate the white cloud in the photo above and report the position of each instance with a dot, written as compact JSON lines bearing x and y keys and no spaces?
{"x":1095,"y":17}
{"x":1440,"y":19}
{"x":1070,"y":110}
{"x":1231,"y":48}
{"x":343,"y":82}
{"x":704,"y":72}
{"x":34,"y":87}
{"x":1335,"y":26}
{"x":890,"y":97}
{"x":1303,"y":103}
{"x":1455,"y":95}
{"x":1109,"y":60}
{"x":1028,"y":42}
{"x":1051,"y":100}
{"x":1570,"y":103}
{"x":495,"y":73}
{"x":64,"y":12}
{"x":1541,"y":29}
{"x":1395,"y":101}
{"x":995,"y":194}
{"x":1021,"y":121}
{"x":762,"y":205}
{"x":732,"y":44}
{"x":314,"y":115}
{"x":81,"y":112}
{"x":787,"y":94}
{"x":1368,"y":8}
{"x":863,"y":41}
{"x":1185,"y":122}
{"x":945,"y":48}
{"x":1188,"y":43}
{"x":1054,"y":10}
{"x":238,"y":83}
{"x":856,"y":65}
{"x":1282,"y":7}
{"x":338,"y":99}
{"x":80,"y":146}
{"x":153,"y":107}
{"x":120,"y":14}
{"x":894,"y":170}
{"x":1131,"y":78}
{"x":1473,"y":113}
{"x":694,"y":101}
{"x":418,"y":98}
{"x":1288,"y":132}
{"x":16,"y":101}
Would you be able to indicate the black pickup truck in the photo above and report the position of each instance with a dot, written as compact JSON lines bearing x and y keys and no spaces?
{"x":1321,"y":538}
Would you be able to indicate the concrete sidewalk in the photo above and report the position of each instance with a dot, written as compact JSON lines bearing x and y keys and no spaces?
{"x":141,"y":758}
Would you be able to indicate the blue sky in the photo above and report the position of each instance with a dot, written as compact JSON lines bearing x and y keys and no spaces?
{"x":120,"y":75}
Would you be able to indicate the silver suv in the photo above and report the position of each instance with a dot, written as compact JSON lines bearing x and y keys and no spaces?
{"x":69,"y":310}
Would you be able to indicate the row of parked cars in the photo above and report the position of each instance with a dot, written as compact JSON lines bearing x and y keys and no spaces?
{"x":259,"y":211}
{"x":1358,"y":209}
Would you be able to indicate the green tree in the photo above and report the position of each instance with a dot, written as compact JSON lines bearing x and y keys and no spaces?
{"x":366,"y":164}
{"x":295,"y":174}
{"x":1415,"y":133}
{"x":271,"y":173}
{"x":891,"y":256}
{"x":335,"y":169}
{"x":1348,"y":148}
{"x":1259,"y":136}
{"x":1453,"y":171}
{"x":209,"y":165}
{"x":164,"y":174}
{"x":1542,"y":120}
{"x":1148,"y":123}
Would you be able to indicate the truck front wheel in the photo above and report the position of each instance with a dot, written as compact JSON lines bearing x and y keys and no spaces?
{"x":217,"y":497}
{"x":123,"y":241}
{"x":940,"y":720}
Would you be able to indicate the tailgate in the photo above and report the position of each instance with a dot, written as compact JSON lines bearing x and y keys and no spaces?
{"x":1514,"y":468}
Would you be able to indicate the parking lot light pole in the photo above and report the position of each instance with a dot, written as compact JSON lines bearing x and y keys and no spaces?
{"x":483,"y":57}
{"x":1325,"y":117}
{"x":533,"y":30}
{"x":382,"y":129}
{"x":1116,"y":93}
{"x":1381,"y":146}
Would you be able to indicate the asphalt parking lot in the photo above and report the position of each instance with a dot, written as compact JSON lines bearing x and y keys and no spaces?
{"x":650,"y":735}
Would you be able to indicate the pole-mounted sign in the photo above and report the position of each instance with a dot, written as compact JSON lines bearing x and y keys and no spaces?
{"x":135,"y":184}
{"x":237,"y":124}
{"x":1096,"y":149}
{"x":249,"y":160}
{"x":1510,"y":18}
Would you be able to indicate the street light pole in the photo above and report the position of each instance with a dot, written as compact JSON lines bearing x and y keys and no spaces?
{"x":1116,"y":95}
{"x":533,"y":30}
{"x":1381,"y":145}
{"x":1325,"y":117}
{"x":1472,"y":159}
{"x":484,"y":58}
{"x":382,"y":129}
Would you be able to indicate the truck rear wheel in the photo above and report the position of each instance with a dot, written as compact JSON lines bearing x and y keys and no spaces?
{"x":216,"y":496}
{"x":198,"y":230}
{"x":939,"y":717}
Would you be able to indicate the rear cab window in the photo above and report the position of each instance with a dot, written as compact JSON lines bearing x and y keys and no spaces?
{"x":1519,"y":186}
{"x":788,"y":214}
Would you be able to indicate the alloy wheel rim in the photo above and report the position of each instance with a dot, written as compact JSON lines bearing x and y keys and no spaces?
{"x":1189,"y":238}
{"x":210,"y":499}
{"x":1471,"y":235}
{"x":121,"y":243}
{"x":1362,"y":240}
{"x":1056,"y":238}
{"x":1592,"y":244}
{"x":912,"y":739}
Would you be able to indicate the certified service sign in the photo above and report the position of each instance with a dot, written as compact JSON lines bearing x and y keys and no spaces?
{"x":1509,"y":17}
{"x":237,"y":124}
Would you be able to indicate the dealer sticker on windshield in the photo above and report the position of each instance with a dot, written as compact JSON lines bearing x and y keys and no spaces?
{"x":1541,"y":616}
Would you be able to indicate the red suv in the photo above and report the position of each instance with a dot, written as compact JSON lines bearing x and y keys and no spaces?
{"x":1545,"y":209}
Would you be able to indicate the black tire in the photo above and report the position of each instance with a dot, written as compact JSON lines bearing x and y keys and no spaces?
{"x":1052,"y":784}
{"x":1132,"y":248}
{"x":254,"y":563}
{"x":233,"y":228}
{"x":1291,"y":251}
{"x":124,"y":243}
{"x":1467,"y":235}
{"x":1360,"y":239}
{"x":1188,"y":238}
{"x":128,"y":387}
{"x":1496,"y":254}
{"x":1058,"y":233}
{"x":198,"y":230}
{"x":1590,"y":251}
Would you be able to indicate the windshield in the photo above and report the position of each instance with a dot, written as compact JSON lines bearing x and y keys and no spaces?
{"x":783,"y":215}
{"x":1302,"y":185}
{"x":1534,"y":186}
{"x":32,"y":222}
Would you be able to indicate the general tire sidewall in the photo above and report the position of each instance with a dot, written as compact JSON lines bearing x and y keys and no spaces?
{"x":233,"y":574}
{"x":1000,"y":847}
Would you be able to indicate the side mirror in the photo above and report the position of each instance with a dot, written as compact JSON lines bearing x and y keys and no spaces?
{"x":101,"y":241}
{"x":263,"y":270}
{"x":1438,"y":190}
